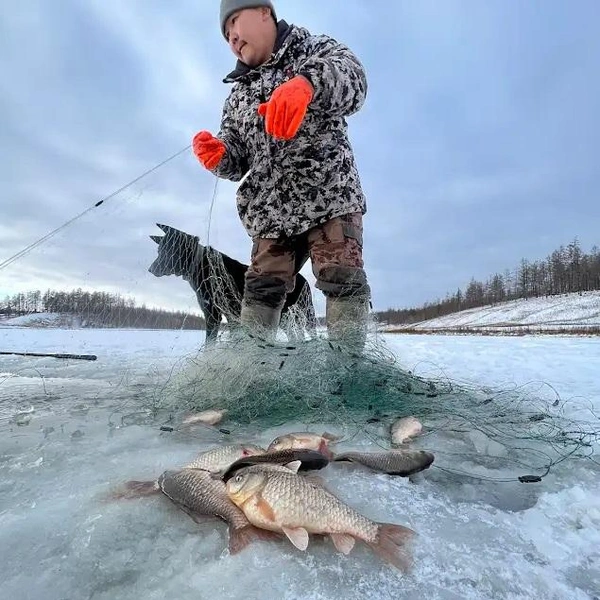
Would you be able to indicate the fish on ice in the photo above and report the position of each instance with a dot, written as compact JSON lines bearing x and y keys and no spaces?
{"x":309,"y":460}
{"x":206,"y":417}
{"x":304,"y":440}
{"x":278,"y":499}
{"x":220,"y":457}
{"x":392,"y":462}
{"x":199,"y":495}
{"x":405,"y":429}
{"x":214,"y":461}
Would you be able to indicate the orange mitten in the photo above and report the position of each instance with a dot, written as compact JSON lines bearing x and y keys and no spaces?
{"x":285,"y":111}
{"x":208,"y":149}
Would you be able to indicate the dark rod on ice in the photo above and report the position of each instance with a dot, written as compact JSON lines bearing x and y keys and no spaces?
{"x":73,"y":356}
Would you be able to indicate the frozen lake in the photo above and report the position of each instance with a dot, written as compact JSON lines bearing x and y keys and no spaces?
{"x":476,"y":539}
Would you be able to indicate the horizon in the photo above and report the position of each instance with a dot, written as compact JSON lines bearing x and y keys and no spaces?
{"x":195,"y":310}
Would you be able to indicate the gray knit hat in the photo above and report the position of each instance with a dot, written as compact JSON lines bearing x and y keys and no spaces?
{"x":228,"y":7}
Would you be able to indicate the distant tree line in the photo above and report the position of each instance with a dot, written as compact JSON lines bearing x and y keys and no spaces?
{"x":566,"y":270}
{"x":98,"y":309}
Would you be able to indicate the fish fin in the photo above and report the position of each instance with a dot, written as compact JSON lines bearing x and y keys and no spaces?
{"x":265,"y":509}
{"x":331,"y":437}
{"x":392,"y":545}
{"x":314,"y":478}
{"x":134,"y":489}
{"x":242,"y":537}
{"x":324,"y":449}
{"x":343,"y":542}
{"x":293,"y":465}
{"x":298,"y":536}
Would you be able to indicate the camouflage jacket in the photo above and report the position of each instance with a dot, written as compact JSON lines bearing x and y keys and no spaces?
{"x":294,"y":185}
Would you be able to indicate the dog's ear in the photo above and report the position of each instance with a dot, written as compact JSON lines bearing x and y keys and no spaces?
{"x":156,"y":238}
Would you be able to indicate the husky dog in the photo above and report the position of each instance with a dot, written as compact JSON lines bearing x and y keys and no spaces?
{"x":218,"y":280}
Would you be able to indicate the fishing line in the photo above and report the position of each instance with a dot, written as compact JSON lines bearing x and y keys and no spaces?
{"x":213,"y":199}
{"x":66,"y":224}
{"x":520,"y":479}
{"x":210,"y":210}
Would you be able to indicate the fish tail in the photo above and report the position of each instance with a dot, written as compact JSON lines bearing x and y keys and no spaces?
{"x":331,"y":437}
{"x":241,"y":537}
{"x":135,"y":489}
{"x":392,"y":545}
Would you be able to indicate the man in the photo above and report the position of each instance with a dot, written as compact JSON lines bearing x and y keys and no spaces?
{"x":283,"y":125}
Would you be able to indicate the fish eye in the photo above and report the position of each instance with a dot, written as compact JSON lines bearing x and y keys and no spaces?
{"x":238,"y":478}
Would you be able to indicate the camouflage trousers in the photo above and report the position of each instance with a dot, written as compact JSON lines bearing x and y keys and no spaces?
{"x":335,"y":251}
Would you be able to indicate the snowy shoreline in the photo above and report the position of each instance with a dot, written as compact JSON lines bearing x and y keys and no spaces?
{"x":509,"y":331}
{"x":575,"y":314}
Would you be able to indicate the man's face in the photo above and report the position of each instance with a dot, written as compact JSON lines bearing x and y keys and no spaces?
{"x":250,"y":35}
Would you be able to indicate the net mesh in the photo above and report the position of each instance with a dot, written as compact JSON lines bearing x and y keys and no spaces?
{"x":301,"y":377}
{"x":361,"y":395}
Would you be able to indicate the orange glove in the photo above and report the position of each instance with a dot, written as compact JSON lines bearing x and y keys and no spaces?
{"x":285,"y":111}
{"x":208,"y":149}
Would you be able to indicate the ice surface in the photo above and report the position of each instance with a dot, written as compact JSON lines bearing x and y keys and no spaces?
{"x":88,"y":432}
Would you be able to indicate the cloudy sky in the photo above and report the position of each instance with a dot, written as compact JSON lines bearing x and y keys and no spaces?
{"x":478,"y":144}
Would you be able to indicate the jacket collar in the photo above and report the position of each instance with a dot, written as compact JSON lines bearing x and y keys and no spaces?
{"x":282,"y":43}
